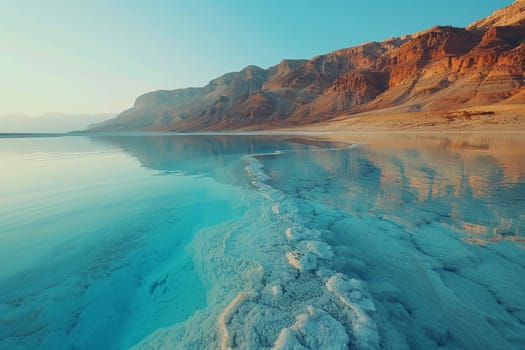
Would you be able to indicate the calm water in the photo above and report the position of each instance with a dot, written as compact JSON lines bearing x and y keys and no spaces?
{"x":254,"y":242}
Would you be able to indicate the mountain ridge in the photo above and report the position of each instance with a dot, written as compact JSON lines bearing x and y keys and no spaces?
{"x":439,"y":69}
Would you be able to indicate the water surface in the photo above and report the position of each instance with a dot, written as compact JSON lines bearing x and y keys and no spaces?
{"x":177,"y":241}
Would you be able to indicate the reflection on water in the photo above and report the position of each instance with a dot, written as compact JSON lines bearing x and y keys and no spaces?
{"x":474,"y":183}
{"x":216,"y":155}
{"x":100,"y":251}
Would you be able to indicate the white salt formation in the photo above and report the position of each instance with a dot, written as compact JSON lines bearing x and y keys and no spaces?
{"x":269,"y":289}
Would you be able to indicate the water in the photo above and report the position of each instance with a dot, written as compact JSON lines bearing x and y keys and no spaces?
{"x":284,"y":242}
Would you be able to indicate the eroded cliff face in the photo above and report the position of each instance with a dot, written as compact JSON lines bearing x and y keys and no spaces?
{"x":442,"y":68}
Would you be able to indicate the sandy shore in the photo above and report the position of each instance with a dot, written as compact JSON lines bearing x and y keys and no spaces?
{"x":497,"y":117}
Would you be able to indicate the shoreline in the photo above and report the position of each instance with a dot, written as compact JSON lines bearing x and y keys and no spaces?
{"x":488,"y":118}
{"x":498,"y":118}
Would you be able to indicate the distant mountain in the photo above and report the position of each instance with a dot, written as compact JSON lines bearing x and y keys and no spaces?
{"x":52,"y":122}
{"x":440,"y":69}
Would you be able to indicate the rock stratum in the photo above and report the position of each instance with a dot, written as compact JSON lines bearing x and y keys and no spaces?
{"x":442,"y":69}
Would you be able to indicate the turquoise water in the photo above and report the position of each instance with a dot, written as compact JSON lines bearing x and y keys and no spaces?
{"x":259,"y":242}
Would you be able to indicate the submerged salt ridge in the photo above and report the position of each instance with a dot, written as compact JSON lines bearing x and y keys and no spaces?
{"x":272,"y":284}
{"x":321,"y":325}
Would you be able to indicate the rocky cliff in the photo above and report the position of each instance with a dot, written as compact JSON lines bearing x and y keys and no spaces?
{"x":439,"y":69}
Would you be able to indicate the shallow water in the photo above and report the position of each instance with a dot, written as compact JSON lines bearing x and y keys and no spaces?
{"x":400,"y":242}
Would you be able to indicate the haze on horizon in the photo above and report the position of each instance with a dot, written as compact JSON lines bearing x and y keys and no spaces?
{"x":98,"y":56}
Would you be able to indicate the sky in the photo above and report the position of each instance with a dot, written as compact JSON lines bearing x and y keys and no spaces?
{"x":97,"y":56}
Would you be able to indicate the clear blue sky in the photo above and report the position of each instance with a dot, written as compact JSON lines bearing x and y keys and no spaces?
{"x":99,"y":55}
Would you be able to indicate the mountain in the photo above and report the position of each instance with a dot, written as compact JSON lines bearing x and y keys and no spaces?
{"x":49,"y":123}
{"x":441,"y":69}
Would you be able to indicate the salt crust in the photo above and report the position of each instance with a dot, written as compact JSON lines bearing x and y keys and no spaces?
{"x":272,"y":285}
